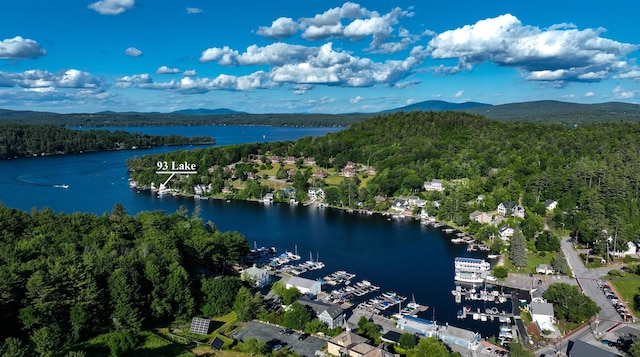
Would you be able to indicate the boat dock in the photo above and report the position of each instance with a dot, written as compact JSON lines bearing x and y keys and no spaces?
{"x":489,"y":314}
{"x":481,"y":295}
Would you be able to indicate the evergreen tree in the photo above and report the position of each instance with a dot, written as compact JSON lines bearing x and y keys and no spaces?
{"x":518,"y":249}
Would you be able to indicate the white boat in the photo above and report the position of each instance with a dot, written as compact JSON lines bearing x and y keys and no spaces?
{"x":471,"y":264}
{"x":61,"y":186}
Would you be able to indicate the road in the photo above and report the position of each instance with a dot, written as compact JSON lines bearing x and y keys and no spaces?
{"x":587,"y":280}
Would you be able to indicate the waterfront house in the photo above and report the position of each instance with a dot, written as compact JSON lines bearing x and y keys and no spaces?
{"x":416,"y":201}
{"x":268,"y":198}
{"x":260,"y":277}
{"x":290,"y":160}
{"x":460,"y":337}
{"x":305,"y":286}
{"x":544,"y":269}
{"x":480,"y":217}
{"x":309,"y":161}
{"x":542,"y":314}
{"x":400,"y":204}
{"x":315,"y":193}
{"x":435,"y":185}
{"x":550,"y":205}
{"x":505,"y":208}
{"x":578,"y":348}
{"x":505,"y":232}
{"x":332,"y":315}
{"x":416,"y":325}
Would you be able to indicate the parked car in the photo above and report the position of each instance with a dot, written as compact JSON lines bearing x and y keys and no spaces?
{"x":302,"y":336}
{"x":277,"y":347}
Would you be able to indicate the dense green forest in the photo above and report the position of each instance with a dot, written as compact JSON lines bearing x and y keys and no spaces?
{"x":24,"y":140}
{"x":108,"y":119}
{"x":68,"y":277}
{"x":592,"y":171}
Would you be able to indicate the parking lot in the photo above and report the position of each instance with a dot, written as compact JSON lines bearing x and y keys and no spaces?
{"x":271,"y":336}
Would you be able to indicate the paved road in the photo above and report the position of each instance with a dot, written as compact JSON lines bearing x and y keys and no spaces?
{"x":270,"y":334}
{"x":587,"y":280}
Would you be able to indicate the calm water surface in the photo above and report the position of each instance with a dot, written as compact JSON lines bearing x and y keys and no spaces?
{"x":402,"y":256}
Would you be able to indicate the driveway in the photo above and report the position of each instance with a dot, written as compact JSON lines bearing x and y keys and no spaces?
{"x":270,"y":334}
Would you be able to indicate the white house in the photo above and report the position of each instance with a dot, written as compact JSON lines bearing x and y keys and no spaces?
{"x":544,"y":269}
{"x":305,"y":286}
{"x":550,"y":205}
{"x":505,"y":232}
{"x":435,"y":185}
{"x":260,"y":276}
{"x":542,"y":314}
{"x":518,"y":211}
{"x":315,"y":193}
{"x":505,"y":208}
{"x":400,"y":204}
{"x":632,"y":249}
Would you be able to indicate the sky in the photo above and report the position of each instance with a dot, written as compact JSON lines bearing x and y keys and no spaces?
{"x":303,"y":56}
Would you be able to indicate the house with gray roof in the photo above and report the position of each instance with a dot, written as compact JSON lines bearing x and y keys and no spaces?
{"x":305,"y":286}
{"x":579,"y":348}
{"x":332,"y":315}
{"x":259,"y":276}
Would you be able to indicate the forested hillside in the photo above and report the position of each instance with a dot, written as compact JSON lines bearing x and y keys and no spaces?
{"x":593,"y":171}
{"x":23,"y":140}
{"x":66,"y":278}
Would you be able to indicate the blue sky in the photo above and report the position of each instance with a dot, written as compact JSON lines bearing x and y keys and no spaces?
{"x":312,"y":56}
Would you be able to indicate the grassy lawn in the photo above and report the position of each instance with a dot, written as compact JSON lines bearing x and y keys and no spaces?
{"x":533,"y":259}
{"x":627,"y":286}
{"x":333,"y":179}
{"x":152,"y":345}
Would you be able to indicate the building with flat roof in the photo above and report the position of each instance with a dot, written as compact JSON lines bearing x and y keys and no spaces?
{"x":459,"y":337}
{"x":426,"y":328}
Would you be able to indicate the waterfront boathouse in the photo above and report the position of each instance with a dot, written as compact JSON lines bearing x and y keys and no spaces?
{"x":422,"y":327}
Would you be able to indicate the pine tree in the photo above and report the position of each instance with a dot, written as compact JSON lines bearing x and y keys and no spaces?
{"x":518,"y":249}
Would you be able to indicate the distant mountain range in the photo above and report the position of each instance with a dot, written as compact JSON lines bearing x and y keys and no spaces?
{"x":203,"y":111}
{"x":437,"y":105}
{"x":538,"y":111}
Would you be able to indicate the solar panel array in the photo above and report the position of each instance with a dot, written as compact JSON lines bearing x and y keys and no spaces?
{"x":200,"y":326}
{"x":217,"y":343}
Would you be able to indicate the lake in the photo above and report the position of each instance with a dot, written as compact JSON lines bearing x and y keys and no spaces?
{"x":399,"y":255}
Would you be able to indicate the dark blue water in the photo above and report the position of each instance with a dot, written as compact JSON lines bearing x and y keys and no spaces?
{"x":402,"y":256}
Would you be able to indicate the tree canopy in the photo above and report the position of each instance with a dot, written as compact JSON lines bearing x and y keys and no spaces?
{"x":69,"y":277}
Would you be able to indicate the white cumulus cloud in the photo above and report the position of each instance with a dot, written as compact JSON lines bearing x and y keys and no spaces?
{"x":20,"y":48}
{"x":560,"y":52}
{"x":136,"y":79}
{"x":111,"y":7}
{"x":133,"y":52}
{"x":280,"y":28}
{"x":167,"y":70}
{"x":189,"y":73}
{"x":355,"y":99}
